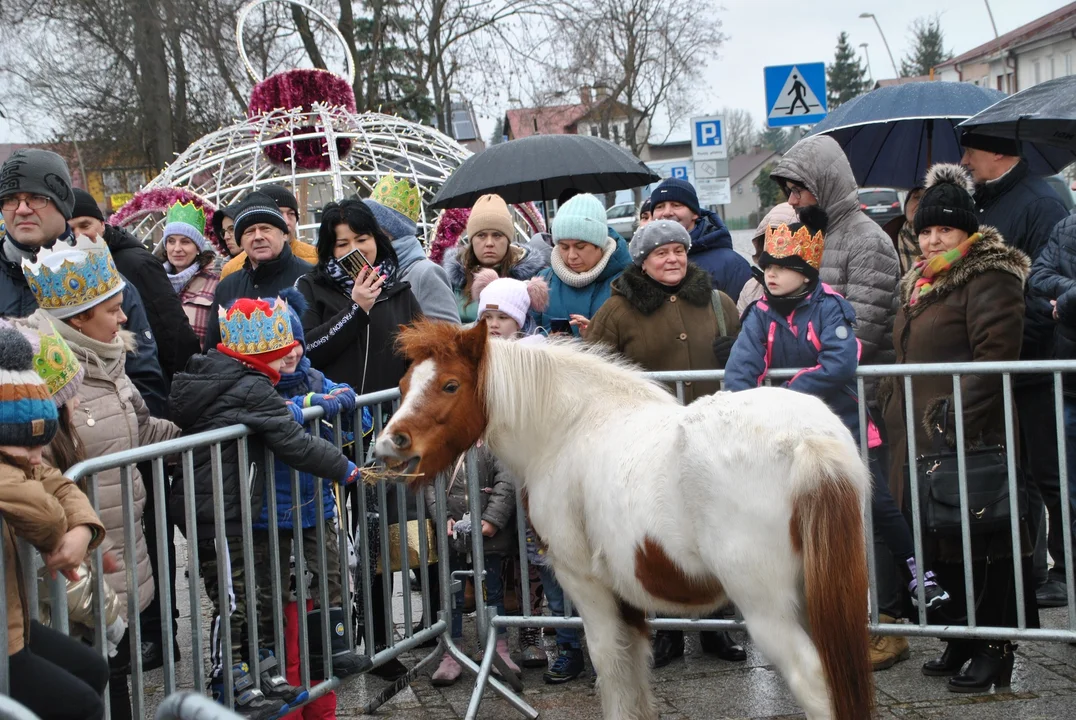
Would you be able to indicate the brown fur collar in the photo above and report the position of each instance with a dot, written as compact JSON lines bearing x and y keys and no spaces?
{"x":989,"y":253}
{"x":646,"y":297}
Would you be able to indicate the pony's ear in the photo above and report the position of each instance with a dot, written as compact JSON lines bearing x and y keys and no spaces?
{"x":473,"y":342}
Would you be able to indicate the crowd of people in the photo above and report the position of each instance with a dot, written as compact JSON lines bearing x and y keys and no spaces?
{"x":232,"y":317}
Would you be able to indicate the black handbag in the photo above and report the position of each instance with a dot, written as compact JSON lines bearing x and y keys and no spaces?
{"x":987,"y":473}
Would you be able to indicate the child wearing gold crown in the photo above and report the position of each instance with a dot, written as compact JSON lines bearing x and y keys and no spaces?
{"x":800,"y":322}
{"x":235,"y":383}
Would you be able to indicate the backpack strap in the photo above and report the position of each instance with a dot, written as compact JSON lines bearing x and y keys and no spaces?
{"x":715,"y":301}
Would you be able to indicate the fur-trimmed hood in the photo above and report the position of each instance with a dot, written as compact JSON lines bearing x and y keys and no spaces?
{"x":646,"y":297}
{"x":989,"y":253}
{"x":529,"y":262}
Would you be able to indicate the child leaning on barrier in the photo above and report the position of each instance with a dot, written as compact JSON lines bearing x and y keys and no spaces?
{"x":505,"y":305}
{"x":235,"y":384}
{"x":51,"y":674}
{"x":302,"y":386}
{"x":800,"y":322}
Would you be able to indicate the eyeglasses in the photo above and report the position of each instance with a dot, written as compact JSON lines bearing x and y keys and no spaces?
{"x":796,"y":190}
{"x":12,"y":202}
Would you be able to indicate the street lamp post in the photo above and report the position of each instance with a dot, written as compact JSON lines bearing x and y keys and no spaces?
{"x":885,"y":42}
{"x":867,"y":55}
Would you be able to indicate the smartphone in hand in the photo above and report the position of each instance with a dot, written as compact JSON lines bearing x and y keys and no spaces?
{"x":354,"y":262}
{"x":560,"y":326}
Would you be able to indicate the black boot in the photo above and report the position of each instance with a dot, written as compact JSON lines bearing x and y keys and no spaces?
{"x":956,"y":655}
{"x":345,"y":660}
{"x":722,"y":645}
{"x":392,"y":670}
{"x":991,"y":665}
{"x":668,"y":645}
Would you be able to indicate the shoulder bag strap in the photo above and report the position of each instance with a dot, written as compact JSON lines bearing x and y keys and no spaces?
{"x":715,"y":301}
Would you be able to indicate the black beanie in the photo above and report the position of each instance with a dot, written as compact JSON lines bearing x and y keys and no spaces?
{"x":38,"y":172}
{"x":257,"y":208}
{"x":86,"y":206}
{"x":1002,"y":146}
{"x":947,"y":200}
{"x":281,"y":196}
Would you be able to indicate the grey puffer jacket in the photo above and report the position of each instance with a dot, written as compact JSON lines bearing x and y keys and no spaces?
{"x":859,"y":261}
{"x":498,"y":501}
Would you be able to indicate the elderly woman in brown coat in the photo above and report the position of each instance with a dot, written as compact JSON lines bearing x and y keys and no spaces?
{"x":962,"y":302}
{"x":662,"y":314}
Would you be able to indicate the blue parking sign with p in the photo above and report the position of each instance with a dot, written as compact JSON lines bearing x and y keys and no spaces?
{"x":708,"y":138}
{"x":680,"y":172}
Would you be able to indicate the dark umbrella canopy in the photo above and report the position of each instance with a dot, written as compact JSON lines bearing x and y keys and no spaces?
{"x":541,"y":167}
{"x":893,"y":134}
{"x":1044,"y":116}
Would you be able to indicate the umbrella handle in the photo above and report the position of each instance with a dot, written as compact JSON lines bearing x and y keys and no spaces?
{"x":930,"y":142}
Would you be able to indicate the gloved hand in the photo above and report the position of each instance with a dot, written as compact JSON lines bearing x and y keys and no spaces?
{"x":352,"y":474}
{"x":346,"y":397}
{"x":114,"y":635}
{"x":723,"y":348}
{"x":296,"y":412}
{"x":367,"y":420}
{"x":328,"y":402}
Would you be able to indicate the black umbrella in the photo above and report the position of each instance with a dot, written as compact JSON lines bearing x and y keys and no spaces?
{"x":541,"y":167}
{"x":1043,"y":116}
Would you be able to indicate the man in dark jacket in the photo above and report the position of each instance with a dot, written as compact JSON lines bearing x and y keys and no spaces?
{"x":270,"y":266}
{"x":176,"y":341}
{"x":35,"y":188}
{"x":1025,"y":209}
{"x":711,"y":243}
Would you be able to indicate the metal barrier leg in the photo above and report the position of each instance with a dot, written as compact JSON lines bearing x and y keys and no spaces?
{"x":485,"y":678}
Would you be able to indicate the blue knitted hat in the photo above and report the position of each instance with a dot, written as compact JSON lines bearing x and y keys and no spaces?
{"x":395,"y":224}
{"x":676,"y":190}
{"x":28,"y":416}
{"x":296,"y":307}
{"x":582,"y":218}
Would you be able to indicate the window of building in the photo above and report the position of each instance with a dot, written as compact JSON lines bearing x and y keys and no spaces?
{"x":462,"y":127}
{"x":1001,"y":83}
{"x":616,"y":133}
{"x":1037,"y":67}
{"x":594,"y":131}
{"x":1052,"y":75}
{"x":1068,"y":63}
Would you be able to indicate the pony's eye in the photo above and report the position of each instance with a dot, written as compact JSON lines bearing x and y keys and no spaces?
{"x":451,"y":386}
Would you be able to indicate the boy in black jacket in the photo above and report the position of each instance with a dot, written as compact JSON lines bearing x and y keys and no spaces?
{"x":231,"y":385}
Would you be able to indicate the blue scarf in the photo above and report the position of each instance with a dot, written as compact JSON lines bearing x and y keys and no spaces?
{"x":295,"y":383}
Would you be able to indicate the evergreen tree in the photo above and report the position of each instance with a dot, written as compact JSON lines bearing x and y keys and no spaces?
{"x":845,"y":78}
{"x":497,"y":136}
{"x":769,"y":192}
{"x":776,"y":139}
{"x":928,"y":48}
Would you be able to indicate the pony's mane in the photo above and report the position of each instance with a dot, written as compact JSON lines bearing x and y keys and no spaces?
{"x":563,"y":368}
{"x":428,"y":339}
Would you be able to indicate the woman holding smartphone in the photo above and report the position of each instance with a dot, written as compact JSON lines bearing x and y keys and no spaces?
{"x":355,"y":306}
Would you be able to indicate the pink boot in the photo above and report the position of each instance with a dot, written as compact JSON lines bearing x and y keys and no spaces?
{"x":447,"y":673}
{"x":502,"y":650}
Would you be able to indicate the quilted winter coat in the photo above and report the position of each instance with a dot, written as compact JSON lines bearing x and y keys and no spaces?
{"x":112,"y":417}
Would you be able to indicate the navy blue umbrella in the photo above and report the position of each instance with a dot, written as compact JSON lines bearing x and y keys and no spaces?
{"x":1044,"y":116}
{"x":893,"y":134}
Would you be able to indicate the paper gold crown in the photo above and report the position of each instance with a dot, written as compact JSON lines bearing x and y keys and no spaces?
{"x":257,"y":332}
{"x":187,"y":212}
{"x":782,"y":242}
{"x":68,"y":279}
{"x":399,"y":195}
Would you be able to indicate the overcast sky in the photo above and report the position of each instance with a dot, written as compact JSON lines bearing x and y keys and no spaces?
{"x":781,"y":32}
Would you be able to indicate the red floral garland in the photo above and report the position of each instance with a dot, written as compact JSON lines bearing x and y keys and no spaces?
{"x":301,"y":89}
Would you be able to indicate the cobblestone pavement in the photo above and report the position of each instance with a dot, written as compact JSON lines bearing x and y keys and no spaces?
{"x":698,"y":687}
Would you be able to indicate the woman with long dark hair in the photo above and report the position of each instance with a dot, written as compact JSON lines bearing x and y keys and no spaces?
{"x":350,"y":323}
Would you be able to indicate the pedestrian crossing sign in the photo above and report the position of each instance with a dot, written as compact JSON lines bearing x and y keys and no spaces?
{"x":795,"y":94}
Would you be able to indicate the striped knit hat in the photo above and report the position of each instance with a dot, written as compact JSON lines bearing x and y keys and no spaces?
{"x":28,"y":416}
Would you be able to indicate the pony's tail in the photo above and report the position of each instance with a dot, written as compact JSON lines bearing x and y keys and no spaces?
{"x":827,"y":531}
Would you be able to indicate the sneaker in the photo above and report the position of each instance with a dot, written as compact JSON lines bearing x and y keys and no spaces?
{"x":530,"y":648}
{"x":250,"y":703}
{"x":568,"y":666}
{"x":447,"y":673}
{"x":274,"y":686}
{"x":506,"y":657}
{"x":936,"y":596}
{"x":888,"y":650}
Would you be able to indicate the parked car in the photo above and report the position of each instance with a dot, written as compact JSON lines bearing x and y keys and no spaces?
{"x":882,"y":204}
{"x":622,"y":218}
{"x":1061,"y":187}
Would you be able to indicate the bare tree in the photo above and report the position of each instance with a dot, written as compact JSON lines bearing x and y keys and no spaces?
{"x":741,"y":134}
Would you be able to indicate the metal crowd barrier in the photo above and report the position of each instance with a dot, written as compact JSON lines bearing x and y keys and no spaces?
{"x":437,"y":610}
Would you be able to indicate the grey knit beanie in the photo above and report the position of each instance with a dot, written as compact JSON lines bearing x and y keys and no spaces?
{"x":40,"y":172}
{"x":655,"y":234}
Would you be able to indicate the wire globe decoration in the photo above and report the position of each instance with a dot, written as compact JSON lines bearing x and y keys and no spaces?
{"x":302,"y":131}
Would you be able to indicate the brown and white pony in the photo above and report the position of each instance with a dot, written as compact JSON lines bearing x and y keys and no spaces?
{"x":754,"y":497}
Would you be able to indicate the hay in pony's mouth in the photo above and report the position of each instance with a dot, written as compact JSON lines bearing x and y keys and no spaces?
{"x":392,"y":472}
